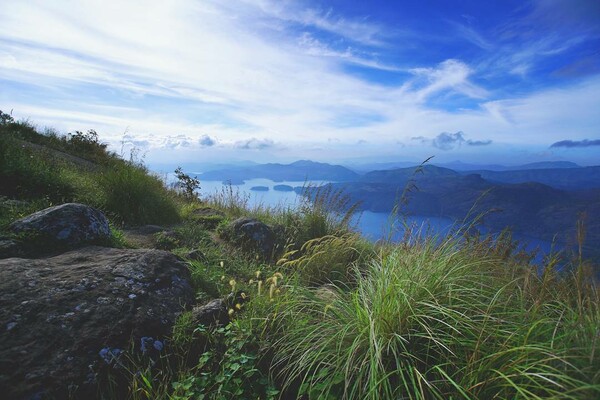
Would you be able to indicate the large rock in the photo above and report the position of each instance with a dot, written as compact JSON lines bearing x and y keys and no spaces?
{"x":254,"y":235}
{"x":70,"y":224}
{"x":66,"y":320}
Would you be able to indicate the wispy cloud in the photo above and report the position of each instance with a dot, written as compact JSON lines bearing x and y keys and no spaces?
{"x":472,"y":36}
{"x":314,"y":47}
{"x":254,"y":144}
{"x":448,"y":75}
{"x":576,"y":143}
{"x":354,"y":29}
{"x":479,"y":142}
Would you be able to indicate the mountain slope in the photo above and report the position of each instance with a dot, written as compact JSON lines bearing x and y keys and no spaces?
{"x":531,"y":208}
{"x":297,"y":171}
{"x":573,"y":178}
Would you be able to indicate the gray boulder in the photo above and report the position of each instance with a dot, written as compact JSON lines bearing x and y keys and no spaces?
{"x":70,"y":224}
{"x":68,"y":320}
{"x":254,"y":235}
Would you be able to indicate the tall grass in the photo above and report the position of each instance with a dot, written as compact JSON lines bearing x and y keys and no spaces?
{"x":26,"y":174}
{"x":134,"y":196}
{"x":438,"y":320}
{"x":326,"y":259}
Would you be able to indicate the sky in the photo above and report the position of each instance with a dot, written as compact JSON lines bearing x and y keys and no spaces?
{"x":334,"y":81}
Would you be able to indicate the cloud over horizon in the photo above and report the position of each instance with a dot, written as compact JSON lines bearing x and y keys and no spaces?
{"x":576,"y":143}
{"x":449,"y":141}
{"x":207,"y":141}
{"x":254,"y":144}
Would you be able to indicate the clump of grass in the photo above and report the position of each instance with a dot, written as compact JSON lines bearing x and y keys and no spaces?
{"x":136,"y":197}
{"x":433,"y":320}
{"x":326,"y":259}
{"x":230,"y":200}
{"x":323,"y":211}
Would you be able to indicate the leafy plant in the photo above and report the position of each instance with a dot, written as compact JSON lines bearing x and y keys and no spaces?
{"x":230,"y":370}
{"x":188,"y":184}
{"x":6,"y":118}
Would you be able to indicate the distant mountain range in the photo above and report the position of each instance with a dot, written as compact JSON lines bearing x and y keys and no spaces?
{"x":532,"y":208}
{"x":460,"y":166}
{"x":568,"y":178}
{"x":298,"y":171}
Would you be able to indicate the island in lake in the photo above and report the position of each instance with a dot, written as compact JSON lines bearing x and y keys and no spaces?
{"x":283,"y":188}
{"x":260,"y":188}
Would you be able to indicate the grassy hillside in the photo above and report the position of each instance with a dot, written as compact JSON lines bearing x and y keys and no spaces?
{"x":48,"y":169}
{"x":329,"y":315}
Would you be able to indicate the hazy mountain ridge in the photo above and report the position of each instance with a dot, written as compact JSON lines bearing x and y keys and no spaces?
{"x":532,"y":208}
{"x":568,"y":178}
{"x":297,"y":171}
{"x":461,"y":166}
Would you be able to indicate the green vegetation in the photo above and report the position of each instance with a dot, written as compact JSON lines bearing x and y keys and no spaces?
{"x":48,"y":169}
{"x":331,"y":316}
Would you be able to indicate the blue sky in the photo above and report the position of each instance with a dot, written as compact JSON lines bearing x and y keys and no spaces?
{"x":265,"y":80}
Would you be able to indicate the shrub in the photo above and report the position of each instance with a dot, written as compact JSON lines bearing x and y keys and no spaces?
{"x":87,"y":145}
{"x":6,"y":118}
{"x":188,"y":184}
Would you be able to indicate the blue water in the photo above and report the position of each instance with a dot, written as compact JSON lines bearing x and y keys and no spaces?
{"x":270,"y":198}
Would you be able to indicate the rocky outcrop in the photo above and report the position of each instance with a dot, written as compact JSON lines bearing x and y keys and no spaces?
{"x":207,"y":212}
{"x":253,"y":235}
{"x":66,"y":320}
{"x":69,"y":225}
{"x":207,"y":217}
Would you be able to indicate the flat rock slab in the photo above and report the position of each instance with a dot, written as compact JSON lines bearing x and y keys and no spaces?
{"x":65,"y":318}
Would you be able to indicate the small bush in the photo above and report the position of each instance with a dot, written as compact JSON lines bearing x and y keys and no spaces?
{"x":187,"y":184}
{"x":228,"y":371}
